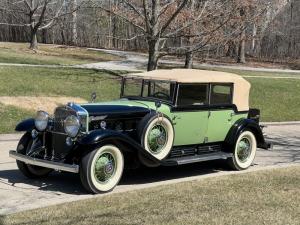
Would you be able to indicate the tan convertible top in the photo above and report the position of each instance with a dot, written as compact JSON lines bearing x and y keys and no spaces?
{"x":241,"y":86}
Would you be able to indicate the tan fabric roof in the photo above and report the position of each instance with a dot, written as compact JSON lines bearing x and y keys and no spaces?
{"x":241,"y":86}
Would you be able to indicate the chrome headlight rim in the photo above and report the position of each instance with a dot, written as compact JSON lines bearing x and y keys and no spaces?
{"x":72,"y":126}
{"x":41,"y":120}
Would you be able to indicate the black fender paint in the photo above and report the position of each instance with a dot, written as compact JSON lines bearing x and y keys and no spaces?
{"x":25,"y":125}
{"x":242,"y":125}
{"x":98,"y":137}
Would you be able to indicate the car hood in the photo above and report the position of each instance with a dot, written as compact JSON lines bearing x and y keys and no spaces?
{"x":117,"y":108}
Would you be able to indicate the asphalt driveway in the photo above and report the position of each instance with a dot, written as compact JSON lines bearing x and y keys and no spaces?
{"x":19,"y":193}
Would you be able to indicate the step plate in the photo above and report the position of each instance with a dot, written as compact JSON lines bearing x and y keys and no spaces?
{"x":196,"y":158}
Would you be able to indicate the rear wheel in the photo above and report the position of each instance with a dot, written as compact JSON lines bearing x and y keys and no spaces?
{"x":24,"y":146}
{"x":244,"y":151}
{"x":102,"y":169}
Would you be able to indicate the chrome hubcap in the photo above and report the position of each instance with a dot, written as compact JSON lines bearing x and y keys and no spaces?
{"x":244,"y":149}
{"x":157,"y":138}
{"x":105,"y":167}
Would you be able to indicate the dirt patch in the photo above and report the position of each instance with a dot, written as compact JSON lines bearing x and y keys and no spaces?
{"x":47,"y":104}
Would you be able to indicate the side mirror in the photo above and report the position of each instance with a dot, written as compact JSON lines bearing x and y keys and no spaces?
{"x":93,"y":96}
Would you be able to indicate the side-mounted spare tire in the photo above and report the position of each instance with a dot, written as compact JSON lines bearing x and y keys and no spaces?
{"x":156,"y":134}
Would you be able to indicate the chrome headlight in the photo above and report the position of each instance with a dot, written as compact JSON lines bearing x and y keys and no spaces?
{"x":41,"y":120}
{"x":72,"y":125}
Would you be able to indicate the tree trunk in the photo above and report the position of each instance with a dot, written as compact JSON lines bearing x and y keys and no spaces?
{"x":33,"y":40}
{"x":74,"y":23}
{"x":153,"y":49}
{"x":254,"y":33}
{"x":189,"y":60}
{"x":241,"y":58}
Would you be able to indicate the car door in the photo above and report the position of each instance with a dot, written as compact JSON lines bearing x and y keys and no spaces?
{"x":190,"y":116}
{"x":221,"y":112}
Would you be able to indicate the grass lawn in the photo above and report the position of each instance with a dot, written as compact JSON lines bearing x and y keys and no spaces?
{"x":10,"y":115}
{"x":39,"y":81}
{"x":265,"y":197}
{"x":253,"y":73}
{"x":279,"y":100}
{"x":50,"y":54}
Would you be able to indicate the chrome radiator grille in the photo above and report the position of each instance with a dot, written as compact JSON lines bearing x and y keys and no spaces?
{"x":60,"y":114}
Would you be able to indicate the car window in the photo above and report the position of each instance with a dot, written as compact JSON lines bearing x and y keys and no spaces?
{"x":158,"y":89}
{"x":221,"y":94}
{"x":192,"y":94}
{"x":132,"y":87}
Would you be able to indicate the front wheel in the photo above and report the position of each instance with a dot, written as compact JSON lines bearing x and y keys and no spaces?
{"x":244,"y":151}
{"x":102,"y":169}
{"x":25,"y":145}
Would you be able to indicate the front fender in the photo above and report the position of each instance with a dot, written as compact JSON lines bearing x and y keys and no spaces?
{"x":246,"y":124}
{"x":25,"y":125}
{"x":98,"y":137}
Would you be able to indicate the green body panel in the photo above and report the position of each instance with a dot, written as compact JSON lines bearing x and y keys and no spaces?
{"x":194,"y":127}
{"x":190,"y":127}
{"x":220,"y":122}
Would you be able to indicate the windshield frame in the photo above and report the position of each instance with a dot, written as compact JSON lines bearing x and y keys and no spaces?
{"x":143,"y":83}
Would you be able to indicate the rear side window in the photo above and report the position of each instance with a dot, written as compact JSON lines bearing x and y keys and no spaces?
{"x":221,"y":94}
{"x":192,"y":94}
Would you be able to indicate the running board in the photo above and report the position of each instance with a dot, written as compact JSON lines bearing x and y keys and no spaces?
{"x":196,"y":158}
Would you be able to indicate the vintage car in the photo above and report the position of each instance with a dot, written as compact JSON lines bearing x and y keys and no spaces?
{"x":164,"y":117}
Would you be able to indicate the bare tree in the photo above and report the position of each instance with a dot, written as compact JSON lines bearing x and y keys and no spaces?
{"x":38,"y":15}
{"x":153,"y":19}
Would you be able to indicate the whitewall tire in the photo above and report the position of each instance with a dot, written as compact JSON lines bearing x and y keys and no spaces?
{"x":157,"y":136}
{"x":102,"y":169}
{"x":244,"y":151}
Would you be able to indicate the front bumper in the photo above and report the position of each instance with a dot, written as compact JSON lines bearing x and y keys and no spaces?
{"x":44,"y":163}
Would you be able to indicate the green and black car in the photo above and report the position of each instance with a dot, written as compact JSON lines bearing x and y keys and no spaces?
{"x":164,"y":117}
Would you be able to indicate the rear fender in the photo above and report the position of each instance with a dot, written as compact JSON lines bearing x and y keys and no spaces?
{"x":242,"y":125}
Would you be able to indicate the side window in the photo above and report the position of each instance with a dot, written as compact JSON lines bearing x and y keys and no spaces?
{"x":192,"y":94}
{"x":221,"y":94}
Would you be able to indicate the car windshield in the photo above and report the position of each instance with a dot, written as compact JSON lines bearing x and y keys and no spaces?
{"x":162,"y":90}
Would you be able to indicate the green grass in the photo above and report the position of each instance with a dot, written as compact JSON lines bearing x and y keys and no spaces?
{"x":10,"y":116}
{"x":265,"y":197}
{"x":50,"y":55}
{"x":37,"y":81}
{"x":278,"y":99}
{"x":256,"y":73}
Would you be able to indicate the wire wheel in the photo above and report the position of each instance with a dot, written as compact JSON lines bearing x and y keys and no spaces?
{"x":101,"y":169}
{"x":244,"y":149}
{"x":105,"y":167}
{"x":157,"y":135}
{"x":157,"y":138}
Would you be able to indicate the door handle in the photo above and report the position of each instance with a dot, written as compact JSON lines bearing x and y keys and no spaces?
{"x":231,"y":115}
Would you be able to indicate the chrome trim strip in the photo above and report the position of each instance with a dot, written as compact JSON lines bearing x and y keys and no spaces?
{"x":44,"y":163}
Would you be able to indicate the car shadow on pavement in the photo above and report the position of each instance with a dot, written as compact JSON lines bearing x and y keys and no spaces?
{"x":285,"y":150}
{"x":68,"y":183}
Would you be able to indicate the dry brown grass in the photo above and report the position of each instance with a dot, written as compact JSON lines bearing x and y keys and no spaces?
{"x":48,"y":54}
{"x":47,"y":104}
{"x":265,"y":197}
